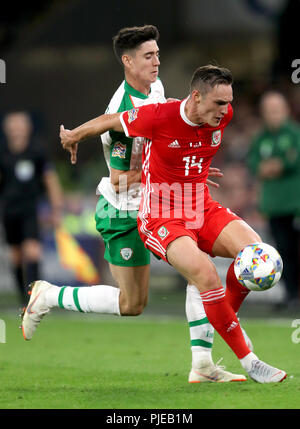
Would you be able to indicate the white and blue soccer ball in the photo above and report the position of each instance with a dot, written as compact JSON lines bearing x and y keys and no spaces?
{"x":258,"y":267}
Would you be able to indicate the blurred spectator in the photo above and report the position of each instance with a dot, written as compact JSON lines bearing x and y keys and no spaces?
{"x":25,"y":172}
{"x":274,"y":158}
{"x":235,"y":190}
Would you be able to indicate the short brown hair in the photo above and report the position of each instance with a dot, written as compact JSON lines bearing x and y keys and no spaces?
{"x":208,"y":76}
{"x":131,"y":37}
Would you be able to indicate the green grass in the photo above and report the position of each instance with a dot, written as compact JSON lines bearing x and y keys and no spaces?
{"x":85,"y":362}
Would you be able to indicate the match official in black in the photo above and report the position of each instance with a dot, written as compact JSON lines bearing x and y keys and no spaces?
{"x":25,"y":174}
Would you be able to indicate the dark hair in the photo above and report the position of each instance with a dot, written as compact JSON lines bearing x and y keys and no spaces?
{"x":131,"y":37}
{"x":206,"y":77}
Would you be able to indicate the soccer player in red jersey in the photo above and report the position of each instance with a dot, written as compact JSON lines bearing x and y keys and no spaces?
{"x":137,"y":50}
{"x":178,"y":219}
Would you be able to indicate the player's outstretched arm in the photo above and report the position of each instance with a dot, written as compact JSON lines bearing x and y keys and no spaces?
{"x":93,"y":128}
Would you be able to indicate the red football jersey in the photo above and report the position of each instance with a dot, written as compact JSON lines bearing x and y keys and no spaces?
{"x":177,"y":154}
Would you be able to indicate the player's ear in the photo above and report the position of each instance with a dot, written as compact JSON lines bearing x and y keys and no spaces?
{"x":196,"y":96}
{"x":126,"y":60}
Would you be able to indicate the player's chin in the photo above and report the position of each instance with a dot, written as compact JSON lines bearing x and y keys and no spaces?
{"x":215,"y":122}
{"x":153,"y":77}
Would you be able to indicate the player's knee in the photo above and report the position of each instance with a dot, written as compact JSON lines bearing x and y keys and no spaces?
{"x":211,"y":281}
{"x":137,"y":310}
{"x":206,"y":279}
{"x":252,"y":237}
{"x":132,"y":308}
{"x":258,"y":238}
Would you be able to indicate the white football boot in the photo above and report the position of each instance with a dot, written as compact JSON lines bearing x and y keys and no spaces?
{"x":36,"y":308}
{"x":264,"y":373}
{"x":213,"y":373}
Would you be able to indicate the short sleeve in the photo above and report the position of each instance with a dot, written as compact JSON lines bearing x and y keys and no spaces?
{"x":120,"y":151}
{"x":138,"y":122}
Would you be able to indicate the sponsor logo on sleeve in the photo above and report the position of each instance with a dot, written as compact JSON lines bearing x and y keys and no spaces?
{"x":132,"y":115}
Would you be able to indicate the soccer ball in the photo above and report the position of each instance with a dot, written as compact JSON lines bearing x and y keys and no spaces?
{"x":258,"y":266}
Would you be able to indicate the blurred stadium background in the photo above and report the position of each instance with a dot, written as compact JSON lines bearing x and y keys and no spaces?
{"x":61,"y":68}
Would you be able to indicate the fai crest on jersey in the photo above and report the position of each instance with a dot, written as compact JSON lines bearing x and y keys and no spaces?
{"x":126,"y":253}
{"x":162,"y":232}
{"x":216,"y":138}
{"x":119,"y":150}
{"x":132,"y":115}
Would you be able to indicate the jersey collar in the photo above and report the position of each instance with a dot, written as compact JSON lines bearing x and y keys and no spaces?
{"x":130,"y":90}
{"x":183,"y":115}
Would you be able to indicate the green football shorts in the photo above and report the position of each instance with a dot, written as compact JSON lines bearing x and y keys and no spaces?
{"x":118,"y":228}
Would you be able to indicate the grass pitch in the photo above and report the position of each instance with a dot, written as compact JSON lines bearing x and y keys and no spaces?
{"x":80,"y":361}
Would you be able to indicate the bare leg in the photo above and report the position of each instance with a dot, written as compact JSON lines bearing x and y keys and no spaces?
{"x":134,"y":284}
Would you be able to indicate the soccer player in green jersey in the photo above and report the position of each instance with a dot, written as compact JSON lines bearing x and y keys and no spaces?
{"x":116,"y":213}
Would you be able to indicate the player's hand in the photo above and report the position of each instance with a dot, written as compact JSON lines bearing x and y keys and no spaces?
{"x":214,"y":172}
{"x":69,"y":143}
{"x":271,"y":168}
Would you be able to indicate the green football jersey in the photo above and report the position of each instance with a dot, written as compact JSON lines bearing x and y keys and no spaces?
{"x":279,"y":196}
{"x":121,"y":152}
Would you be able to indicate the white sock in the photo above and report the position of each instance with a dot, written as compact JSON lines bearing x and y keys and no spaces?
{"x":201,"y":357}
{"x":247,"y":361}
{"x":201,"y":331}
{"x":87,"y":299}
